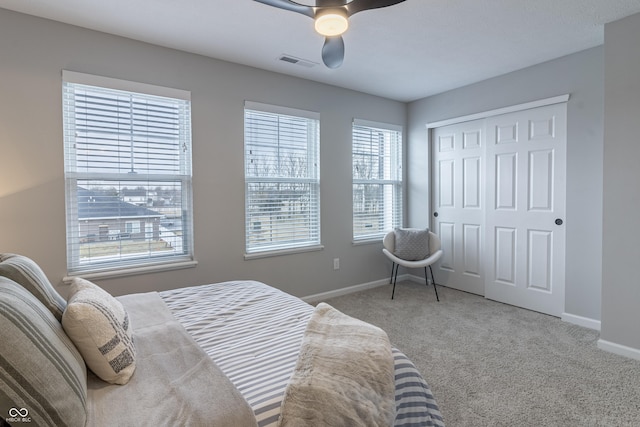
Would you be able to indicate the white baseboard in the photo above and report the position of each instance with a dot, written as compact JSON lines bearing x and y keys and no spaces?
{"x":349,"y":290}
{"x":619,"y":349}
{"x":413,"y":278}
{"x":581,"y":321}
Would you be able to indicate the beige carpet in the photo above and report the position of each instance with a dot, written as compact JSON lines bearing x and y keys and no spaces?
{"x":491,"y":364}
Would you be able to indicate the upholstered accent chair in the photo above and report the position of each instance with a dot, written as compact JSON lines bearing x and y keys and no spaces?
{"x":412,"y":248}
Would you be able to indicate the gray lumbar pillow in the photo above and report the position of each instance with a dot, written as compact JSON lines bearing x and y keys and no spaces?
{"x":412,"y":244}
{"x":29,"y":275}
{"x":43,"y":376}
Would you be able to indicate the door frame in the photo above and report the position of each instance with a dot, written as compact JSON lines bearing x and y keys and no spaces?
{"x":497,"y":112}
{"x":478,"y":116}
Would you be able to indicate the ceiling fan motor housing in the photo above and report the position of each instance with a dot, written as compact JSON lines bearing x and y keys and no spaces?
{"x":331,"y":19}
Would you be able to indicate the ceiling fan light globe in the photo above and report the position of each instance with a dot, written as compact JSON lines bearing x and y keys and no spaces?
{"x":331,"y":24}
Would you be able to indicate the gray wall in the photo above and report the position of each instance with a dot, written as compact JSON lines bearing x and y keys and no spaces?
{"x":621,"y":291}
{"x":33,"y":52}
{"x":581,"y":76}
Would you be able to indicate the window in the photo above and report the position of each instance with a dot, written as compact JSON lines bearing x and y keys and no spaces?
{"x":377,"y":179}
{"x":128,"y":174}
{"x":282,"y":180}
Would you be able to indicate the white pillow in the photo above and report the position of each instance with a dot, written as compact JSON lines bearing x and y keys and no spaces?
{"x":98,"y":325}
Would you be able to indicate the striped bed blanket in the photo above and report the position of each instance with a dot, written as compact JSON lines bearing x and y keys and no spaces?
{"x":253,"y":332}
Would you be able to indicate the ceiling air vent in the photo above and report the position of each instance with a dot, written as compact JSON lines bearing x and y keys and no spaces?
{"x":297,"y":61}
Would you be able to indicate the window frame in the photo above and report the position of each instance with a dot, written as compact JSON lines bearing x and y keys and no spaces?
{"x":395,"y":180}
{"x":122,"y":265}
{"x":312,"y":179}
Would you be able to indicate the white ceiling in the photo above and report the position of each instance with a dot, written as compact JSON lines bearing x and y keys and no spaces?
{"x":404,"y":52}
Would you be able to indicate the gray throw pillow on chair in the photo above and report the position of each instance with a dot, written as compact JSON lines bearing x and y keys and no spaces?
{"x":412,"y":244}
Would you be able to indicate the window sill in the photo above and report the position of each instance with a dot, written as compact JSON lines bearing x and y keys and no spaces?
{"x":267,"y":254}
{"x":366,"y":241}
{"x":131,"y":271}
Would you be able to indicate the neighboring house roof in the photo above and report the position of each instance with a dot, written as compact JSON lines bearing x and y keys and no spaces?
{"x":95,"y":204}
{"x":134,"y":192}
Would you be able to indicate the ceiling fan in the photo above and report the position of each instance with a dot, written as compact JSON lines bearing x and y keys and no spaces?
{"x":331,"y":19}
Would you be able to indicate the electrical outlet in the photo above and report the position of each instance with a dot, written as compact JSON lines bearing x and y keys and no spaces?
{"x":336,"y":263}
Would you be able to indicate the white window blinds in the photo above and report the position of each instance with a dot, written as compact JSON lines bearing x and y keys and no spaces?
{"x":377,"y":179}
{"x":282,"y":182}
{"x":127,"y":173}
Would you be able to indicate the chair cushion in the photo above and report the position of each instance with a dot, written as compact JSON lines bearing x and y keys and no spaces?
{"x":29,"y":275}
{"x":42,"y":375}
{"x":98,"y":325}
{"x":411,"y":244}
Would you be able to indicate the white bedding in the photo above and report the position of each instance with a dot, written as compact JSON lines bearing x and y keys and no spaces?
{"x":253,"y":332}
{"x":172,"y":374}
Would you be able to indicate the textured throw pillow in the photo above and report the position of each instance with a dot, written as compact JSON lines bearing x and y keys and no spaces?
{"x":99,"y":326}
{"x":411,"y":244}
{"x":42,"y":375}
{"x":28,"y":274}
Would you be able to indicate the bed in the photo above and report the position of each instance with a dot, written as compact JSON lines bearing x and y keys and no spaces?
{"x":251,"y":334}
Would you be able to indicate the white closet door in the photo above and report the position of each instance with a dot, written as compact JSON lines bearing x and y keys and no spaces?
{"x":525,"y":231}
{"x":457,"y":200}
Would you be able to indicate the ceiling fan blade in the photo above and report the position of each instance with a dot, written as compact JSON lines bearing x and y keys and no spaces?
{"x":359,"y":5}
{"x":290,"y":5}
{"x":330,"y":3}
{"x":333,"y":51}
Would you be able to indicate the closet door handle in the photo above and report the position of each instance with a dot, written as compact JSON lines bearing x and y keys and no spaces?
{"x":435,"y":214}
{"x":558,"y":221}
